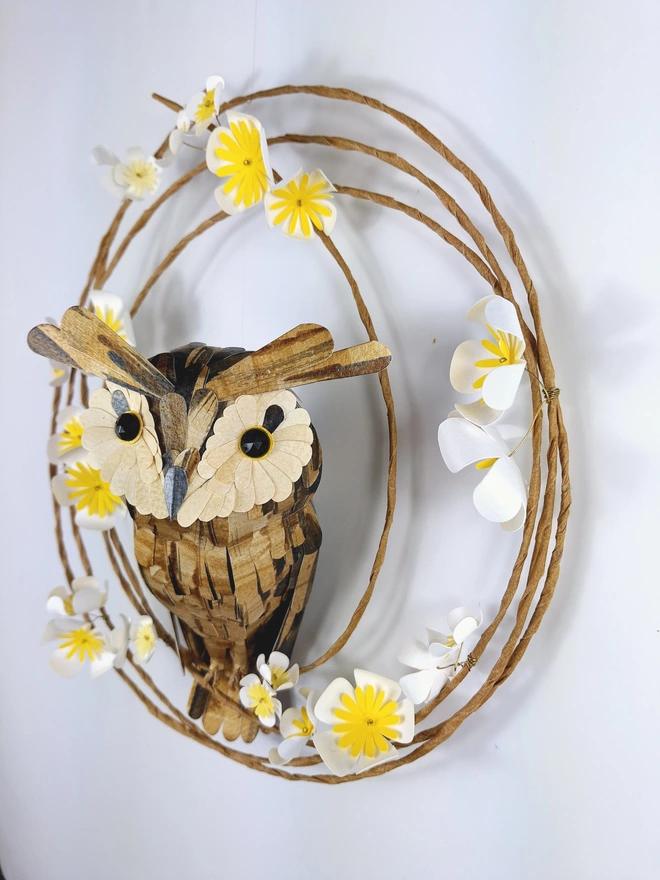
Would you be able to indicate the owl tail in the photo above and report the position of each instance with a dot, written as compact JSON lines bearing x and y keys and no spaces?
{"x":218,"y":714}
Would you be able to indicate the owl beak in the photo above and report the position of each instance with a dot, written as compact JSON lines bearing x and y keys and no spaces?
{"x":176,"y":487}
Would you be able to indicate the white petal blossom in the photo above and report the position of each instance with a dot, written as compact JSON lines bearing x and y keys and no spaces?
{"x":143,"y":639}
{"x":365,"y":720}
{"x":491,"y":367}
{"x":277,"y":672}
{"x":297,"y":726}
{"x":259,"y":696}
{"x":436,"y":662}
{"x":501,"y":496}
{"x":86,"y":594}
{"x":133,"y":179}
{"x":203,"y":107}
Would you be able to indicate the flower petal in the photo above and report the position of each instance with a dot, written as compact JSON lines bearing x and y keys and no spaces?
{"x":499,"y":495}
{"x":462,"y":443}
{"x":391,"y":688}
{"x":331,"y":698}
{"x":416,"y":654}
{"x":417,"y":685}
{"x":479,"y":413}
{"x":338,"y":761}
{"x":501,"y":386}
{"x":364,"y":762}
{"x":462,"y":372}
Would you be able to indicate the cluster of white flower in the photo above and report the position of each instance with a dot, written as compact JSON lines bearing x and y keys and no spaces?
{"x":491,"y":368}
{"x":237,"y":153}
{"x":80,"y":637}
{"x":357,"y":726}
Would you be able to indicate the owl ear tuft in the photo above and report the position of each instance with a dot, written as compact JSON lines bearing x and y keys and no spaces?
{"x":87,"y":343}
{"x":302,"y":356}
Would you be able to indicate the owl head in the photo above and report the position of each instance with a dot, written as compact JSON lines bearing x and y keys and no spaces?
{"x":200,"y":432}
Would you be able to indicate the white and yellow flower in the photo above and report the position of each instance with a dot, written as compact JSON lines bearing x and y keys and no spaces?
{"x":82,"y":486}
{"x":256,"y":453}
{"x":259,"y":696}
{"x":133,"y":179}
{"x":366,"y":719}
{"x":297,"y":727}
{"x":240,"y":154}
{"x":203,"y":107}
{"x":491,"y":367}
{"x":120,"y":436}
{"x":501,"y":496}
{"x":59,"y":373}
{"x":86,"y":594}
{"x":65,"y":446}
{"x":111,"y":310}
{"x":436,"y":661}
{"x":277,"y":672}
{"x":79,"y":643}
{"x":302,"y":205}
{"x":178,"y":135}
{"x":143,"y":639}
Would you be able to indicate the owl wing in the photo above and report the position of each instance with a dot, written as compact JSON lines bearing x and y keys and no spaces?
{"x":300,"y":357}
{"x":87,"y":343}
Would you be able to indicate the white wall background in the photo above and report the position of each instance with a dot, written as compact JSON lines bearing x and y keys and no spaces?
{"x":556,"y":106}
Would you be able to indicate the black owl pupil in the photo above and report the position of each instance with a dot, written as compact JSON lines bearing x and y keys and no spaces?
{"x":128,"y":426}
{"x":255,"y":443}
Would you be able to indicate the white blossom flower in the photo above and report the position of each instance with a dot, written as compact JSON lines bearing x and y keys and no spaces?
{"x":65,"y":446}
{"x":79,"y":642}
{"x":239,"y":153}
{"x":59,"y":373}
{"x":134,"y":179}
{"x":302,"y":205}
{"x":203,"y":106}
{"x":143,"y":639}
{"x":436,"y":662}
{"x":277,"y":672}
{"x":259,"y":696}
{"x":502,"y":495}
{"x":86,"y":594}
{"x":111,"y":310}
{"x":297,"y":727}
{"x":177,"y":137}
{"x":492,"y":367}
{"x":81,"y":486}
{"x":365,"y":719}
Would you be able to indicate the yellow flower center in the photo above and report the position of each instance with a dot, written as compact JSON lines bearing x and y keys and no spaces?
{"x":141,"y":176}
{"x":301,"y":204}
{"x":450,"y":642}
{"x":261,"y":701}
{"x":485,"y":463}
{"x":68,"y":605}
{"x":70,"y":436}
{"x":207,"y":108}
{"x":57,"y":373}
{"x":367,"y":722}
{"x":245,"y":166}
{"x":89,"y":491}
{"x":506,"y":348}
{"x":305,"y":725}
{"x":278,"y":676}
{"x":83,"y":642}
{"x":145,"y":640}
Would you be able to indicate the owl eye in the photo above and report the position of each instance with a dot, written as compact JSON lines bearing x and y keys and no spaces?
{"x":129,"y":427}
{"x":256,"y":443}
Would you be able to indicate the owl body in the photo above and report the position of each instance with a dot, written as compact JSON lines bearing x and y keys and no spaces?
{"x":238,"y":584}
{"x":218,"y":465}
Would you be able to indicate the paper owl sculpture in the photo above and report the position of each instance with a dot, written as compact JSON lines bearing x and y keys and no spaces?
{"x":218,"y":464}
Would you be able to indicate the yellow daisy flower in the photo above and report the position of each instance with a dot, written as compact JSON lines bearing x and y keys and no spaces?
{"x":302,"y":205}
{"x":240,"y":154}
